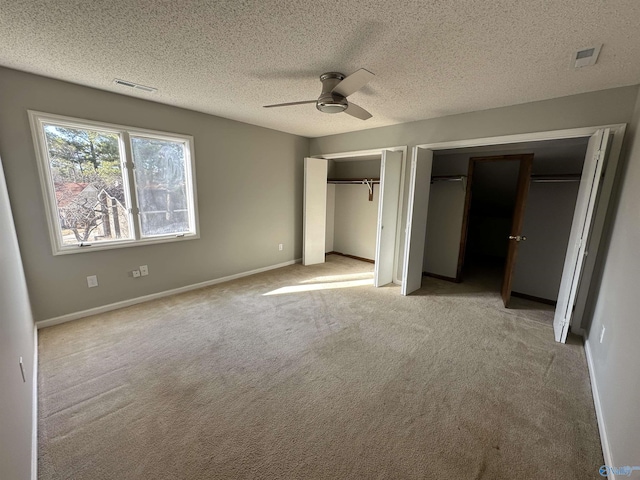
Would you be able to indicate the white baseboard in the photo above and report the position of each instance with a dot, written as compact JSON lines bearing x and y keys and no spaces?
{"x":606,"y":450}
{"x":146,"y":298}
{"x":34,"y":413}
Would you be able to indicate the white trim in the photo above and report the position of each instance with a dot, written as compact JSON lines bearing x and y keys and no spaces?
{"x":403,"y":172}
{"x":360,"y":153}
{"x":34,"y":409}
{"x":522,"y":137}
{"x":606,"y":449}
{"x":146,"y":298}
{"x":378,"y":151}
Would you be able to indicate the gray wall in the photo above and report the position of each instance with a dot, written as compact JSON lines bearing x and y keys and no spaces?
{"x":444,"y":219}
{"x":249,"y":182}
{"x":357,"y":169}
{"x":584,"y":110}
{"x":444,"y":228}
{"x":17,"y":339}
{"x":616,"y":360}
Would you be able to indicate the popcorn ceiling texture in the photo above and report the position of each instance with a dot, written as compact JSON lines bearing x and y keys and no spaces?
{"x":230,"y":57}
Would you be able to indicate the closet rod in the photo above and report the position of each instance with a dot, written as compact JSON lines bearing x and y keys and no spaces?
{"x":369,"y":182}
{"x":555,"y":178}
{"x":448,"y":178}
{"x":354,"y":182}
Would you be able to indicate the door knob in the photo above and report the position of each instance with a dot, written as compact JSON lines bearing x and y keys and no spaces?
{"x":517,"y":238}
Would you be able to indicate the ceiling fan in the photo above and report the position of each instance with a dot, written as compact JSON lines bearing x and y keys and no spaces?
{"x":336,"y":87}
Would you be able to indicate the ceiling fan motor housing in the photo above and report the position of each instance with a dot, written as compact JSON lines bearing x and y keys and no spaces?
{"x":329,"y":101}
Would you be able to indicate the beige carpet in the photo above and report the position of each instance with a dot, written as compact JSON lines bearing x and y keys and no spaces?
{"x":349,"y":382}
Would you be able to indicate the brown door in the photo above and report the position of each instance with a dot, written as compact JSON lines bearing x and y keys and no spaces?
{"x":516,"y":236}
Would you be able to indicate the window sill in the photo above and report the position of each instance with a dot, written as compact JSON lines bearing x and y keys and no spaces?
{"x":73,"y":249}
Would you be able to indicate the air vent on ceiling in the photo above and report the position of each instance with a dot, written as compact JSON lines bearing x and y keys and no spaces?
{"x":137,"y":86}
{"x":586,"y":56}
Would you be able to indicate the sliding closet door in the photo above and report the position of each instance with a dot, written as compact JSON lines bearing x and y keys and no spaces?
{"x":580,"y":227}
{"x":418,"y":206}
{"x":390,"y":171}
{"x":315,"y":211}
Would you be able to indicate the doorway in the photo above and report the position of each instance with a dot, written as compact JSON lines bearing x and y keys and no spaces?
{"x":495,"y":204}
{"x":603,"y":147}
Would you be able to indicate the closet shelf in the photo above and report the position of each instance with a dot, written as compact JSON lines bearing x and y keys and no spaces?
{"x":556,"y":178}
{"x":354,"y":181}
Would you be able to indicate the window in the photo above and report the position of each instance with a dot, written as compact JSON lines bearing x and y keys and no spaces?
{"x":108,"y":186}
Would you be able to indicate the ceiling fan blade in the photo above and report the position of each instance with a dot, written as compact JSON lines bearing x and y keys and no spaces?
{"x":290,"y":103}
{"x":358,"y":112}
{"x":353,"y":82}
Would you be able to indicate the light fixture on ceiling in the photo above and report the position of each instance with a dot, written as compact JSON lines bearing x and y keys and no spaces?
{"x":586,"y":57}
{"x":336,"y":87}
{"x":137,"y":86}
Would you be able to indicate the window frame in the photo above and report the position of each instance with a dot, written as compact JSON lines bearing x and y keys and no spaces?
{"x":38,"y":121}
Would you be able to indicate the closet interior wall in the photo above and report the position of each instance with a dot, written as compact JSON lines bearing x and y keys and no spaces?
{"x":351,"y":217}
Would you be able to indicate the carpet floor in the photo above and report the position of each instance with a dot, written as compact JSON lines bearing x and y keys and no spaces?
{"x":311,"y":373}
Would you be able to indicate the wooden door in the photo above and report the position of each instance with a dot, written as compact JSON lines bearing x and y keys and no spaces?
{"x":314,"y":211}
{"x":390,"y":172}
{"x":516,"y":234}
{"x":580,"y":231}
{"x":419,"y":187}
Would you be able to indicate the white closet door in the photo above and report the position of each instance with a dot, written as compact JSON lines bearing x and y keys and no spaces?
{"x":580,"y":227}
{"x":418,"y":206}
{"x":315,"y":211}
{"x":390,"y":171}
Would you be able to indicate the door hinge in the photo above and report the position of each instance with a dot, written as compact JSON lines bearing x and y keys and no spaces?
{"x":134,"y":211}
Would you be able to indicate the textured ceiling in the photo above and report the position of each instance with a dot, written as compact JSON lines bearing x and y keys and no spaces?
{"x":230,"y":57}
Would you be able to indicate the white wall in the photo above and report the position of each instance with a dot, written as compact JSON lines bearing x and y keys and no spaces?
{"x":249,"y":184}
{"x":547,"y":224}
{"x":616,"y":361}
{"x":444,"y":228}
{"x":17,"y":339}
{"x":356,"y":220}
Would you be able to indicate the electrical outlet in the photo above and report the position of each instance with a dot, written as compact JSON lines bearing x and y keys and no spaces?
{"x":144,"y":270}
{"x":136,"y":273}
{"x":92,"y":281}
{"x":602,"y":334}
{"x":280,"y":246}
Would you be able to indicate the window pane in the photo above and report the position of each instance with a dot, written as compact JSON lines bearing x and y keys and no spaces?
{"x":161,"y":186}
{"x":86,"y":170}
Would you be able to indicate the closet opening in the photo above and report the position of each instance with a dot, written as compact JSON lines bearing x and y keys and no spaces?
{"x":352,"y":205}
{"x":353,"y":197}
{"x":501,"y":225}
